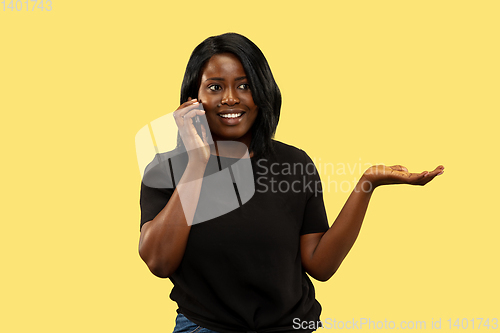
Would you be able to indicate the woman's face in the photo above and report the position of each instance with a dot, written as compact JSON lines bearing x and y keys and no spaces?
{"x":227,"y":99}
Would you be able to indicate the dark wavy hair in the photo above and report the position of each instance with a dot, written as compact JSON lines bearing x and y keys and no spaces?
{"x":265,"y":91}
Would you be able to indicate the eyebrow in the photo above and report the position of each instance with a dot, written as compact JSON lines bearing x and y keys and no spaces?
{"x":222,"y":79}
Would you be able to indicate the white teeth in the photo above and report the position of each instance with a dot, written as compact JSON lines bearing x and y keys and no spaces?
{"x":231,"y":115}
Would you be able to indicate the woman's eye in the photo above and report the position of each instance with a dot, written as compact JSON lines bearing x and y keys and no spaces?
{"x":244,"y":86}
{"x":214,"y":87}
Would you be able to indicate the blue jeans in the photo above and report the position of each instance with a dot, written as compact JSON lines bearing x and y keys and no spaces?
{"x":184,"y":325}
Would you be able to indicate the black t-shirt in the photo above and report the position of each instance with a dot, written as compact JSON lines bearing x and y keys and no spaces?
{"x":242,"y":271}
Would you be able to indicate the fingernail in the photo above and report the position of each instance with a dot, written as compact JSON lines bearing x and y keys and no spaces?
{"x":440,"y":173}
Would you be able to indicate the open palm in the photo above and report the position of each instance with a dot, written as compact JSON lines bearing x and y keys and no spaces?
{"x":398,"y":174}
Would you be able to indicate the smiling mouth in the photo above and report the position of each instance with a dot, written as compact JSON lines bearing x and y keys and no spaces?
{"x":231,"y":115}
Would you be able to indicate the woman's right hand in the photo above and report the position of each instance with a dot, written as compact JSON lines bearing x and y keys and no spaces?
{"x":197,"y":148}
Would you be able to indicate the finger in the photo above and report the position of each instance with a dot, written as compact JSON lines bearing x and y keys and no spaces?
{"x":204,"y":134}
{"x":188,"y":104}
{"x":417,"y":177}
{"x":193,"y":113}
{"x":430,"y":175}
{"x":427,"y":178}
{"x":185,"y":108}
{"x":187,"y":120}
{"x":439,"y":170}
{"x":435,"y":172}
{"x":402,"y":177}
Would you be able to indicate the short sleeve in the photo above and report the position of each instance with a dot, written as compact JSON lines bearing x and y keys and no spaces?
{"x":315,"y":219}
{"x":158,"y":183}
{"x":152,"y":201}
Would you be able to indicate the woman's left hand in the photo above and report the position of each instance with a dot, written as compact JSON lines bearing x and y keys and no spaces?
{"x":397,"y":174}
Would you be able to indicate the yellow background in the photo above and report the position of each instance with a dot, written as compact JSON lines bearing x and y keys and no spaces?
{"x":395,"y":82}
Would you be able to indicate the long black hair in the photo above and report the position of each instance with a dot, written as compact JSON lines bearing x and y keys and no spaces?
{"x":265,"y":91}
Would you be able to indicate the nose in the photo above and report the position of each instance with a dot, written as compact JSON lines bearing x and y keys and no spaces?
{"x":230,"y":97}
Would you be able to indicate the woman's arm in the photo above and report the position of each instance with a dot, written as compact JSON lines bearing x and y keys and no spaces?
{"x":322,"y":253}
{"x":163,"y":240}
